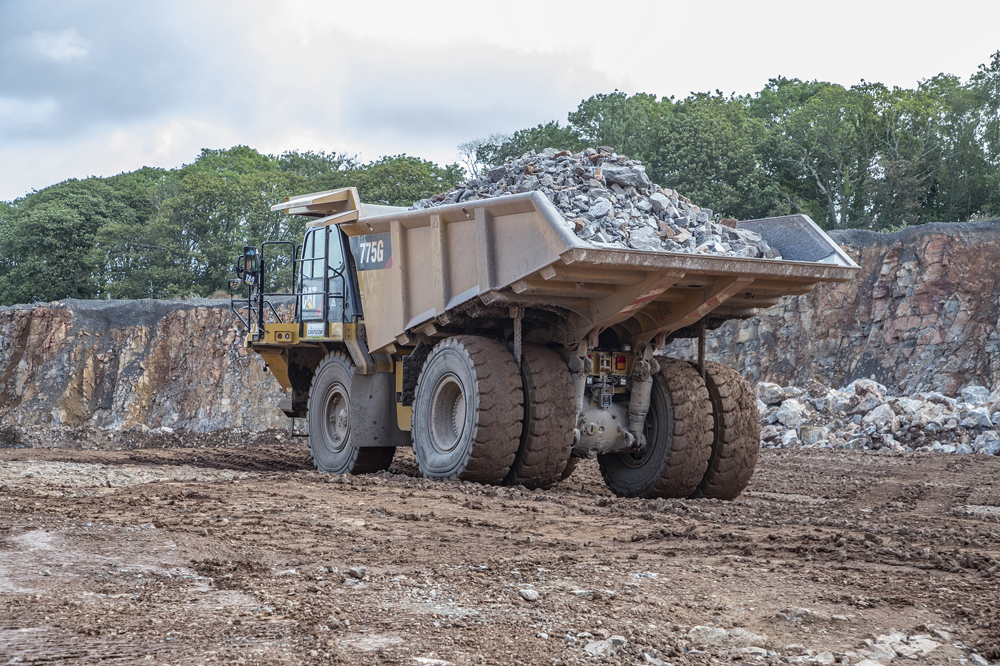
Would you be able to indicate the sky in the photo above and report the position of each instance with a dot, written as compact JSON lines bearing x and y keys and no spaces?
{"x":98,"y":87}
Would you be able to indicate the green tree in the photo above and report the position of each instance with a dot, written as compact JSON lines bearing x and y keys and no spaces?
{"x":708,"y":150}
{"x":499,"y":148}
{"x":121,"y":255}
{"x":394,"y":181}
{"x":47,"y":243}
{"x":190,"y":245}
{"x":630,"y":125}
{"x":232,"y":162}
{"x":311,"y":165}
{"x":824,"y":152}
{"x":907,"y":149}
{"x":985,"y":84}
{"x":958,"y":188}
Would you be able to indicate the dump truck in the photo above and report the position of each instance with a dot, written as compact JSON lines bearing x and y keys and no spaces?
{"x":503,"y":348}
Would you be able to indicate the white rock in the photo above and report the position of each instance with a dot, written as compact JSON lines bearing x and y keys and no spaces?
{"x":740,"y":637}
{"x":792,"y":413}
{"x":883,"y":418}
{"x":987,"y":443}
{"x":839,"y":401}
{"x":975,"y":395}
{"x":702,"y":635}
{"x":790,"y":440}
{"x":607,"y":647}
{"x":798,"y":614}
{"x":980,"y":416}
{"x":868,"y":403}
{"x":906,"y":406}
{"x":916,"y":646}
{"x":770,"y":394}
{"x":863,"y":387}
{"x":528,"y":595}
{"x":811,"y":435}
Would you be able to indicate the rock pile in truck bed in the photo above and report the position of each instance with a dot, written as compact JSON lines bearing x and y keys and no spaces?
{"x":609,"y":201}
{"x":864,"y":416}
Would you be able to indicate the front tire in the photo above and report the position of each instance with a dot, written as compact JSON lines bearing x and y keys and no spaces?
{"x":467,"y":411}
{"x":330,"y":423}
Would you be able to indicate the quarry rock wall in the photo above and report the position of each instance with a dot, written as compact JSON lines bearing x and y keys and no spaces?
{"x":923,"y":315}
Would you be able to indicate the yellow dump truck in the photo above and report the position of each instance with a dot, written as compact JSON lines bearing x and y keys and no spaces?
{"x":503,"y":348}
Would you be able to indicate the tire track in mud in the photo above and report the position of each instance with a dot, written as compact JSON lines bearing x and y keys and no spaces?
{"x":259,"y":548}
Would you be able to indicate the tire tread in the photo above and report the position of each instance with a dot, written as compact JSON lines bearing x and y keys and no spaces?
{"x":547,"y":432}
{"x":737,"y":434}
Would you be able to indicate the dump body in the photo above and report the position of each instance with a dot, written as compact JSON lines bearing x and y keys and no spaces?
{"x":423,"y":270}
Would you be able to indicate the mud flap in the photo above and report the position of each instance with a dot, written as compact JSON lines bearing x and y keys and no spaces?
{"x":373,"y":412}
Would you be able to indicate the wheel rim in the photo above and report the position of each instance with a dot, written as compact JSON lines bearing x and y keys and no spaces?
{"x":447,"y":413}
{"x":336,"y":418}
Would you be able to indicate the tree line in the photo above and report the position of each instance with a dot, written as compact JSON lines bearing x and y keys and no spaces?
{"x":866,"y":156}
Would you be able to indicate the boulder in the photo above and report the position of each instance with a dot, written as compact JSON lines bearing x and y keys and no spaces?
{"x":770,"y":394}
{"x":883,"y":418}
{"x":975,"y":395}
{"x":791,"y":413}
{"x":988,"y":443}
{"x":812,"y":435}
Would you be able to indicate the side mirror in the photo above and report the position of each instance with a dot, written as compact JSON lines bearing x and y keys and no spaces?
{"x":250,"y":259}
{"x":234,"y":286}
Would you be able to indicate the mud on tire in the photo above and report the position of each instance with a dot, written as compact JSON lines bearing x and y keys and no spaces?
{"x":679,"y":433}
{"x":329,"y":422}
{"x":549,"y":414}
{"x":737,"y":433}
{"x":467,"y":411}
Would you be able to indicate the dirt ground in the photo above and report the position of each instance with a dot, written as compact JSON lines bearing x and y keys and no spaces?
{"x":225,"y":554}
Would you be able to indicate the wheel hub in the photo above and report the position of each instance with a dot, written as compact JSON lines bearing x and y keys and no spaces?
{"x":447,"y":417}
{"x":337,"y":422}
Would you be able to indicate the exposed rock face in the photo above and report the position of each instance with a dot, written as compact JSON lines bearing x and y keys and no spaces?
{"x":124,"y":363}
{"x":923,"y":315}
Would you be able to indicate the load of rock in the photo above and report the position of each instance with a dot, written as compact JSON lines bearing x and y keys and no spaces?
{"x":608,"y":200}
{"x":863,"y":415}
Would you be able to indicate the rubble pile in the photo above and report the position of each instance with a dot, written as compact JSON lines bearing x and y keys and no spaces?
{"x":608,"y":200}
{"x":864,"y":416}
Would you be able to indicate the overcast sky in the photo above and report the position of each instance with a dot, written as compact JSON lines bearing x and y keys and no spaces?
{"x":97,"y":87}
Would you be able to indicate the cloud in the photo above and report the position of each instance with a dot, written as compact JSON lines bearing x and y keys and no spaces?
{"x":61,"y":46}
{"x":104,"y":86}
{"x":106,"y":63}
{"x":17,"y":114}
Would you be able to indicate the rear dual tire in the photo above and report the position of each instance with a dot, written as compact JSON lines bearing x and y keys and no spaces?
{"x":737,"y":434}
{"x":467,"y":411}
{"x":549,"y":418}
{"x":679,"y":434}
{"x":702,"y":437}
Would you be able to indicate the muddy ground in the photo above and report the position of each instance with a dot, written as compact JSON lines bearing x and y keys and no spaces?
{"x":226,"y":554}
